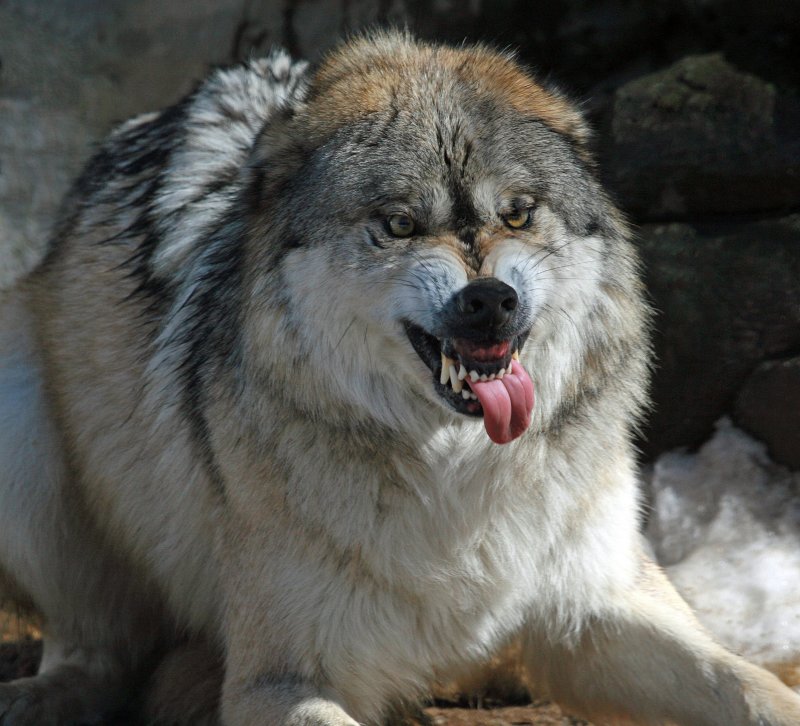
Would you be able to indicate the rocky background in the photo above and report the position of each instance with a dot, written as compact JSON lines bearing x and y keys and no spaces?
{"x":696,"y":104}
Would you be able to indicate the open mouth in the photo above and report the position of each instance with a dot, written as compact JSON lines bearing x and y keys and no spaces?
{"x":480,"y":378}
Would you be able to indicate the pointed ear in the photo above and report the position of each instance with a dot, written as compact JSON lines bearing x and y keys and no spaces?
{"x":280,"y":150}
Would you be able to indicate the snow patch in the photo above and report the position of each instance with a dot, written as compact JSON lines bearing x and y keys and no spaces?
{"x":725,"y":525}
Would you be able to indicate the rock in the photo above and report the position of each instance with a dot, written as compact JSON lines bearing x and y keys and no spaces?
{"x":727,"y":298}
{"x":68,"y":76}
{"x":769,"y":408}
{"x":115,"y":58}
{"x":41,"y":149}
{"x":703,"y":138}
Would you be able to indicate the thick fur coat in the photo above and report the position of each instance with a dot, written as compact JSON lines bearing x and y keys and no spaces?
{"x":228,"y":418}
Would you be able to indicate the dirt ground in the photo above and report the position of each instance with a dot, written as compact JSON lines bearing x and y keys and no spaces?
{"x":536,"y":714}
{"x":21,"y":649}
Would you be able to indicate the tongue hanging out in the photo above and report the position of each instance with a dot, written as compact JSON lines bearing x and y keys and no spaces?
{"x":507,"y":404}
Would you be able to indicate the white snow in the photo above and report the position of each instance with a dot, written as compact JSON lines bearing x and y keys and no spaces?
{"x":725,"y":524}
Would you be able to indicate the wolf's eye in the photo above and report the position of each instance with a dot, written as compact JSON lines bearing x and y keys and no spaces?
{"x":400,"y":225}
{"x":518,"y":219}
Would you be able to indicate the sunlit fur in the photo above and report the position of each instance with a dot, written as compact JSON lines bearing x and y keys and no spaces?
{"x":219,"y":446}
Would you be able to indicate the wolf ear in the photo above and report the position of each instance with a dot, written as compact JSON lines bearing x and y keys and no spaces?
{"x":278,"y":153}
{"x":572,"y":123}
{"x":572,"y":120}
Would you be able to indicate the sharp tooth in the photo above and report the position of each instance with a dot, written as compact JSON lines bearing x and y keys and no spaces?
{"x":454,"y":382}
{"x":474,"y":376}
{"x":501,"y":373}
{"x":462,"y":373}
{"x":465,"y":394}
{"x":515,"y":355}
{"x":445,"y":375}
{"x":484,"y":377}
{"x":492,"y":376}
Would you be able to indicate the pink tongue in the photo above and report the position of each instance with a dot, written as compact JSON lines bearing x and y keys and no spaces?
{"x":507,"y":403}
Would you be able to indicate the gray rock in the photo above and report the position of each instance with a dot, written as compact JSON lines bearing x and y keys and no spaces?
{"x":40,"y":151}
{"x":67,"y":76}
{"x":769,"y":408}
{"x":727,"y":298}
{"x":703,"y":138}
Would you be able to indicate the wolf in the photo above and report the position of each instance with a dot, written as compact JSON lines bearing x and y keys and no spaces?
{"x":326,"y":390}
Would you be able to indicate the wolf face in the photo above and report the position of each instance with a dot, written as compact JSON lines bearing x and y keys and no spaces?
{"x":438,"y":237}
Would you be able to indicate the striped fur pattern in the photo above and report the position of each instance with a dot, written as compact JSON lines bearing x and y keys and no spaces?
{"x":234,"y":456}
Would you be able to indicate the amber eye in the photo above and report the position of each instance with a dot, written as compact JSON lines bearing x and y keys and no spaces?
{"x":518,"y":219}
{"x":400,"y":225}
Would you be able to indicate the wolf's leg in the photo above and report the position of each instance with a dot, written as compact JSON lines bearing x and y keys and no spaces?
{"x":73,"y":686}
{"x":99,"y":636}
{"x":273,"y":675}
{"x":647,"y":658}
{"x":261,"y":687}
{"x":94,"y":655}
{"x":282,"y":703}
{"x":185,"y":688}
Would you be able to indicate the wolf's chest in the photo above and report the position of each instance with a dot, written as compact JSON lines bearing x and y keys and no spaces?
{"x":396,"y":638}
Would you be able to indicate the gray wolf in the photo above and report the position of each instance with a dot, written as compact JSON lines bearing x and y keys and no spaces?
{"x":332,"y":374}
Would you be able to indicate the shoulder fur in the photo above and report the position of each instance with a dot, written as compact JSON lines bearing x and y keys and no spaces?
{"x":223,"y":120}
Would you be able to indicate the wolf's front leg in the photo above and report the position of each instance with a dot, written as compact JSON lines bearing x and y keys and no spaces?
{"x":279,"y":701}
{"x":262,"y":687}
{"x":274,"y":673}
{"x":74,"y":686}
{"x":269,"y":694}
{"x":647,"y":658}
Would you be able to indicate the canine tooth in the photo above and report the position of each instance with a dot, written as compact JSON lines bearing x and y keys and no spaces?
{"x":454,"y":382}
{"x":515,"y":355}
{"x":474,"y":376}
{"x":465,"y":394}
{"x":445,"y":375}
{"x":484,"y":377}
{"x":462,"y":373}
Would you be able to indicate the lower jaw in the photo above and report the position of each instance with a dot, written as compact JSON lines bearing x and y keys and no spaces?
{"x":456,"y":401}
{"x":450,"y":391}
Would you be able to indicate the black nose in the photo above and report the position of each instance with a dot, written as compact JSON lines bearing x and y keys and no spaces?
{"x":487,"y":303}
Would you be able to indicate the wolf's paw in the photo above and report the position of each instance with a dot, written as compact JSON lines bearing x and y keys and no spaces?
{"x":284,"y":706}
{"x":318,"y":712}
{"x":18,"y":706}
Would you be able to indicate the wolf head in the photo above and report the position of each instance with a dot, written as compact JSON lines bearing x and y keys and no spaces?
{"x":426,"y":242}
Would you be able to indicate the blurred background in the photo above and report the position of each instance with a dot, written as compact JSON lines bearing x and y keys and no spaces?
{"x":696,"y":107}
